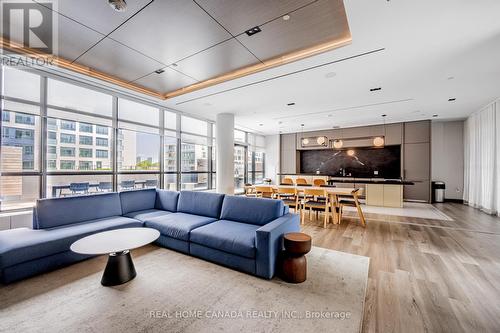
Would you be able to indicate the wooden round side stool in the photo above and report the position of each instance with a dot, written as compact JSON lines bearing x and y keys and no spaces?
{"x":294,"y":265}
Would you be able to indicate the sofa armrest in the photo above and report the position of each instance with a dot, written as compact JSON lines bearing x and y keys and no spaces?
{"x":269,"y":243}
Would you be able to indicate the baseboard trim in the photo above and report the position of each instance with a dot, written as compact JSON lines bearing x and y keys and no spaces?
{"x":459,"y":201}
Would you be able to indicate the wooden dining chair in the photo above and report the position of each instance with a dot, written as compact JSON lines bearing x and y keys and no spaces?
{"x":301,"y":181}
{"x":264,"y":191}
{"x":319,"y":182}
{"x":312,"y":202}
{"x":250,"y":190}
{"x":352,"y":201}
{"x":289,"y":197}
{"x":287,"y":181}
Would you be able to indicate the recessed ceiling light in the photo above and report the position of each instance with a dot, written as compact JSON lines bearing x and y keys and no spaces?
{"x":451,"y":77}
{"x":286,"y":17}
{"x":174,"y":65}
{"x":261,"y":124}
{"x":451,"y":99}
{"x":159,"y":71}
{"x":330,"y":115}
{"x":280,"y":122}
{"x":434,"y":115}
{"x":118,"y":5}
{"x":253,"y":31}
{"x":330,"y":75}
{"x":291,"y":104}
{"x":376,"y":89}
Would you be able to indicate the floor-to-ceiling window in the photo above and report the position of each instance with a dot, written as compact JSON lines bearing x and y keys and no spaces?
{"x":78,"y":140}
{"x":248,"y":159}
{"x":63,"y":138}
{"x":195,"y":151}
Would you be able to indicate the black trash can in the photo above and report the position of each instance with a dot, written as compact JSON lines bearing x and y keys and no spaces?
{"x":438,"y":191}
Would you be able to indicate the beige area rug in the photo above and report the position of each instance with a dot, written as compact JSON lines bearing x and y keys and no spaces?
{"x":410,"y":209}
{"x":178,"y":293}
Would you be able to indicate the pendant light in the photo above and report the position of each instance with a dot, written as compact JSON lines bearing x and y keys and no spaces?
{"x":320,"y":140}
{"x":379,"y":141}
{"x":337,"y":143}
{"x":305,"y":141}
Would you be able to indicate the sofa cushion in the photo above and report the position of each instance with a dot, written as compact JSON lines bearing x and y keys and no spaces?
{"x":56,"y":212}
{"x":178,"y":225}
{"x":228,"y":236}
{"x":143,"y":215}
{"x":22,"y":244}
{"x":257,"y":211}
{"x":200,"y":203}
{"x":136,"y":200}
{"x":167,"y":200}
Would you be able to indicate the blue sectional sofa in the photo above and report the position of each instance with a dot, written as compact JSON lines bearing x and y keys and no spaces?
{"x":239,"y":232}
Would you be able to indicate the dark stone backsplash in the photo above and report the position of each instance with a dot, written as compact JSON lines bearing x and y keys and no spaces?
{"x":364,"y":163}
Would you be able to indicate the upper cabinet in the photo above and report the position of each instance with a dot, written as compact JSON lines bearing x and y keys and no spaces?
{"x":288,"y":153}
{"x":417,"y":131}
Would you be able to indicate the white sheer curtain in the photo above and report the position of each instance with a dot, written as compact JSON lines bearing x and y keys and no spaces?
{"x":482,"y":159}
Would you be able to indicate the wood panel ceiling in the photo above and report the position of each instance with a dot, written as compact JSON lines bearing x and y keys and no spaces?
{"x":195,"y":43}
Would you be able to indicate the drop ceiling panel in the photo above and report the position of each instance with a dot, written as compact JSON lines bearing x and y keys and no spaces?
{"x":240,"y":15}
{"x":319,"y":22}
{"x":68,"y":46}
{"x":171,"y":30}
{"x":220,"y":59}
{"x":166,"y":81}
{"x":118,"y":60}
{"x":97,"y":14}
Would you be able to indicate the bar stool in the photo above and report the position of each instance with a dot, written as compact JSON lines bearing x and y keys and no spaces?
{"x":319,"y":182}
{"x":300,"y":181}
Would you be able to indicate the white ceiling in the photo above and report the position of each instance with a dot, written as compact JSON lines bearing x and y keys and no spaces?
{"x":422,"y":53}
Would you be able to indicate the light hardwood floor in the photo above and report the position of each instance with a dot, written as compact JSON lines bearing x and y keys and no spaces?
{"x":425,"y":275}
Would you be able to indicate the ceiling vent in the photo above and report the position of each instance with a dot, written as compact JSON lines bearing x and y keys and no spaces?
{"x":253,"y":31}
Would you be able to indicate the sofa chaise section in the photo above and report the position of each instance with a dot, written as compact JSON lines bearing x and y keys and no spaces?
{"x":57,"y":223}
{"x":248,"y":236}
{"x":193,"y":210}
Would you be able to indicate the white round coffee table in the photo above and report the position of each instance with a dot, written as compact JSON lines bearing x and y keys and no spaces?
{"x":117,"y":244}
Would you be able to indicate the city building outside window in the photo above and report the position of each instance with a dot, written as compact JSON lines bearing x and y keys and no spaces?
{"x":81,"y":143}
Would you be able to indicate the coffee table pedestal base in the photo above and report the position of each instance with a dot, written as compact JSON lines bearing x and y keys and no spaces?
{"x":119,"y":269}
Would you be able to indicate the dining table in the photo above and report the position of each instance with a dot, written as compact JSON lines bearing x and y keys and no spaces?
{"x":334,"y":194}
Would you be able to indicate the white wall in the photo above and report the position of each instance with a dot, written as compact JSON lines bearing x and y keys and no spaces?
{"x":272,"y":157}
{"x":447,"y":156}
